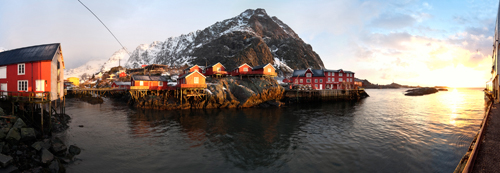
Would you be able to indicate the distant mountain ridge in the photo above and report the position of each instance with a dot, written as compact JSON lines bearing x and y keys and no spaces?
{"x":252,"y":37}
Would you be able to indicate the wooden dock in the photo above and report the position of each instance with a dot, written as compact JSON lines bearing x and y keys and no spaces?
{"x":318,"y":95}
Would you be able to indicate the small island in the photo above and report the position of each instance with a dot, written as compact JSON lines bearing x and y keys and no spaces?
{"x":420,"y":91}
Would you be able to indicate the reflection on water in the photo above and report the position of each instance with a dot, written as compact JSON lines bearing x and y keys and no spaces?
{"x":387,"y":132}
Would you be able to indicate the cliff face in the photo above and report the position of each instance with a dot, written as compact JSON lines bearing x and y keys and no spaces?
{"x":252,"y":37}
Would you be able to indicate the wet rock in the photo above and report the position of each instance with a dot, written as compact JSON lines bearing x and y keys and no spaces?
{"x":420,"y":91}
{"x":54,"y":166}
{"x":58,"y":146}
{"x":37,"y":145}
{"x":46,"y":156}
{"x":19,"y":124}
{"x":3,"y":134}
{"x":5,"y":160}
{"x":13,"y":136}
{"x":28,"y":134}
{"x":74,"y":150}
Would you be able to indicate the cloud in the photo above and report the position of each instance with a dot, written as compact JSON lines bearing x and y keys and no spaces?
{"x":393,"y":21}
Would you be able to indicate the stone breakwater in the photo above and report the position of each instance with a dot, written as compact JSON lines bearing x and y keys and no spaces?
{"x":229,"y":92}
{"x":24,"y":148}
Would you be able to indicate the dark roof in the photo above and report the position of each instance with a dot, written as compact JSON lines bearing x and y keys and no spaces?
{"x":302,"y":73}
{"x":316,"y":72}
{"x":149,"y":78}
{"x":261,"y":66}
{"x":29,"y":54}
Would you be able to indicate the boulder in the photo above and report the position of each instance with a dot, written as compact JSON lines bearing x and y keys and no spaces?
{"x":3,"y":134}
{"x":58,"y":146}
{"x":13,"y":135}
{"x":46,"y":156}
{"x":5,"y":160}
{"x":28,"y":134}
{"x":19,"y":124}
{"x":37,"y":145}
{"x":54,"y":166}
{"x":74,"y":150}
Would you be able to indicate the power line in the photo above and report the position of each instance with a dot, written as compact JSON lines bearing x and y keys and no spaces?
{"x":105,"y":26}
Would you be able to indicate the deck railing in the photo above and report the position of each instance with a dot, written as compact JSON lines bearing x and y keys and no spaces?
{"x":192,"y":85}
{"x":25,"y":96}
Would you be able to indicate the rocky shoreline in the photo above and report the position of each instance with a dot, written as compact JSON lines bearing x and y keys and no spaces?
{"x":420,"y":91}
{"x":25,"y":148}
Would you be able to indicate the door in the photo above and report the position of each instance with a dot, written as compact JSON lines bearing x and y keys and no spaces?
{"x":3,"y":87}
{"x":320,"y":86}
{"x":40,"y":87}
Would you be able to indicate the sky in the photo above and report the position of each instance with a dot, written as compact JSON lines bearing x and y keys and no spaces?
{"x":412,"y":42}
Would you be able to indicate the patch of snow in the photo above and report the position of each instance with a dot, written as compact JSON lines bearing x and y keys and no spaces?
{"x":208,"y":91}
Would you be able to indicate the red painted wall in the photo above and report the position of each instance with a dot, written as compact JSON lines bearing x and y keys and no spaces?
{"x":325,"y":84}
{"x":153,"y":85}
{"x":39,"y":70}
{"x":210,"y":71}
{"x":240,"y":71}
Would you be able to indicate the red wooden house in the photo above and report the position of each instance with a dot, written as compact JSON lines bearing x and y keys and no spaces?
{"x":192,"y":80}
{"x":266,"y":69}
{"x":192,"y":68}
{"x":121,"y":85}
{"x":153,"y":82}
{"x":241,"y":70}
{"x":215,"y":70}
{"x":33,"y":69}
{"x":324,"y":79}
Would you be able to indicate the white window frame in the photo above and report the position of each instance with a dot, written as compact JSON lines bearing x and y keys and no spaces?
{"x":218,"y":68}
{"x":320,"y":80}
{"x":308,"y":80}
{"x":141,"y":83}
{"x":269,"y":70}
{"x":3,"y":72}
{"x":340,"y":74}
{"x":333,"y":73}
{"x":329,"y":79}
{"x":333,"y":79}
{"x":19,"y":69}
{"x":160,"y":83}
{"x":301,"y":81}
{"x":308,"y":75}
{"x":196,"y":80}
{"x":245,"y":69}
{"x":20,"y":86}
{"x":315,"y":80}
{"x":340,"y":79}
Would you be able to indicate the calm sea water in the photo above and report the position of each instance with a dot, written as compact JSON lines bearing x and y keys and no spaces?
{"x":386,"y":132}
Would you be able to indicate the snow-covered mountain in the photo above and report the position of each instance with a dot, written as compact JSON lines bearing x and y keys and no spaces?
{"x":119,"y":58}
{"x":252,"y":37}
{"x":89,"y":68}
{"x":95,"y":66}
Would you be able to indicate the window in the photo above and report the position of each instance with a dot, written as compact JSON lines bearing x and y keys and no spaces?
{"x":340,"y":74}
{"x":196,"y":80}
{"x":316,"y":86}
{"x":308,"y":80}
{"x":3,"y":72}
{"x":308,"y":75}
{"x":315,"y":80}
{"x":340,"y":79}
{"x":160,"y":83}
{"x":22,"y":85}
{"x":328,"y":79}
{"x":320,"y":80}
{"x":218,"y":69}
{"x":329,"y":73}
{"x":141,"y":83}
{"x":333,"y":74}
{"x":269,"y":70}
{"x":300,"y":80}
{"x":245,"y":69}
{"x":20,"y":69}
